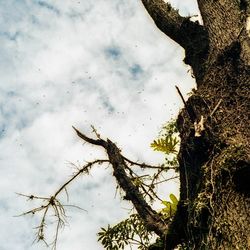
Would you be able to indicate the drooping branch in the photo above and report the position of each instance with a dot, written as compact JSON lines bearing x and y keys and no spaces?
{"x":151,"y":218}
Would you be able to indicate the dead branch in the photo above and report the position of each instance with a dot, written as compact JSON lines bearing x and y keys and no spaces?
{"x":126,"y":179}
{"x":54,"y":204}
{"x":216,"y":107}
{"x":98,"y":142}
{"x":144,"y":165}
{"x":189,"y":109}
{"x":151,"y":218}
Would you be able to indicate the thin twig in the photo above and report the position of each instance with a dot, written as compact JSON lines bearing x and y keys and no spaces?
{"x":85,"y":168}
{"x":95,"y":132}
{"x":182,"y":98}
{"x":190,"y":110}
{"x":216,"y":107}
{"x":142,"y":165}
{"x":54,"y":204}
{"x":169,"y":179}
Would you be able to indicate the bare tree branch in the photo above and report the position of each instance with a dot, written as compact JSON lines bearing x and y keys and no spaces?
{"x":126,"y":179}
{"x":98,"y":142}
{"x":52,"y":203}
{"x":151,"y":218}
{"x":166,"y":18}
{"x":190,"y":35}
{"x":144,"y":165}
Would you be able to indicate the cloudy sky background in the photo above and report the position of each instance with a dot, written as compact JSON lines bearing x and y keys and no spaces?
{"x":65,"y":63}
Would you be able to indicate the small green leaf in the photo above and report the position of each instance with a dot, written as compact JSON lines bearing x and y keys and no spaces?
{"x":166,"y":145}
{"x":173,"y":199}
{"x":124,"y":233}
{"x":170,"y":207}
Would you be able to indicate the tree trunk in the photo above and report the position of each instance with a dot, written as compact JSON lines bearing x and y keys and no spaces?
{"x":214,"y":207}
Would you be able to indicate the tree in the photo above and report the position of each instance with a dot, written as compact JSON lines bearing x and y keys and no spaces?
{"x":214,"y":156}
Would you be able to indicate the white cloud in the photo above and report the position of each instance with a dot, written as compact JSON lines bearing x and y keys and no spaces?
{"x":78,"y":63}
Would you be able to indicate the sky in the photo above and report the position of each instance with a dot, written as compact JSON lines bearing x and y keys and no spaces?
{"x":80,"y":63}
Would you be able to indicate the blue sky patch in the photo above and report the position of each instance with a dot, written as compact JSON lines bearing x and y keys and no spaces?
{"x":106,"y":102}
{"x":11,"y":93}
{"x":113,"y":52}
{"x":135,"y":70}
{"x":80,"y":14}
{"x":2,"y":130}
{"x":10,"y":36}
{"x":49,"y":7}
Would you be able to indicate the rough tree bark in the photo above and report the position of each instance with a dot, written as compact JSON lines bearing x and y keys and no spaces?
{"x":214,"y":207}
